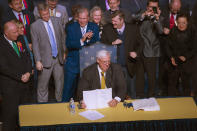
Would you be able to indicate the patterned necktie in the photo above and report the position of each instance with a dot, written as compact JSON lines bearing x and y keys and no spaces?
{"x":119,"y":32}
{"x":19,"y":17}
{"x":102,"y":80}
{"x":172,"y":21}
{"x":16,"y":48}
{"x":83,"y":31}
{"x":52,"y":41}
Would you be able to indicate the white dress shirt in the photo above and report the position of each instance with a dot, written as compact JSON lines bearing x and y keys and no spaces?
{"x":100,"y":76}
{"x":16,"y":14}
{"x":9,"y":41}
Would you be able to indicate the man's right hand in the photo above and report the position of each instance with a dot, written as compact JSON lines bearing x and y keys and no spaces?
{"x":82,"y":104}
{"x":173,"y":62}
{"x":39,"y":66}
{"x":166,"y":31}
{"x":116,"y":42}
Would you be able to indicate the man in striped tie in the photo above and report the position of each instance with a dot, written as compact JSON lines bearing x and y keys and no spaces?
{"x":102,"y":75}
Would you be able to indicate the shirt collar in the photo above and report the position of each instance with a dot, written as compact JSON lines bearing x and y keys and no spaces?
{"x":99,"y":70}
{"x":16,"y":13}
{"x":122,"y":28}
{"x":8,"y":40}
{"x":47,"y":21}
{"x":85,"y":27}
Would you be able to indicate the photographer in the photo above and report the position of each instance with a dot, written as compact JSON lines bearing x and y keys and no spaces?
{"x":180,"y":51}
{"x":150,"y":29}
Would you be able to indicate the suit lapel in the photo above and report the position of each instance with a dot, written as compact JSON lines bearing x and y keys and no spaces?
{"x":10,"y":48}
{"x":44,"y":31}
{"x":88,"y":27}
{"x":126,"y":32}
{"x":78,"y":30}
{"x":97,"y":83}
{"x":108,"y":78}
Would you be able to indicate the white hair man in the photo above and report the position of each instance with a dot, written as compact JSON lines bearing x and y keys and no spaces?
{"x":103,"y":74}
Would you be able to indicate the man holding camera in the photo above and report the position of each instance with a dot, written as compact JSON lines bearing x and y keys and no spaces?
{"x":150,"y":28}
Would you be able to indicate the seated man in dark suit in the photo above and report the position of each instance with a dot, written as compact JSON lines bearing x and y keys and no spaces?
{"x":101,"y":75}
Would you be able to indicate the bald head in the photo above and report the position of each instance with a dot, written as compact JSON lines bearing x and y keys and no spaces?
{"x":175,"y":6}
{"x":11,"y":30}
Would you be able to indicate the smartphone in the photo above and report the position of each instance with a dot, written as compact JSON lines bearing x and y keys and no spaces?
{"x":155,"y":10}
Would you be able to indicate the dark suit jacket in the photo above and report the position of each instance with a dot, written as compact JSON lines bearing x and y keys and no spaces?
{"x":114,"y":79}
{"x":14,"y":91}
{"x":11,"y":66}
{"x":132,"y":41}
{"x":9,"y":15}
{"x":73,"y":44}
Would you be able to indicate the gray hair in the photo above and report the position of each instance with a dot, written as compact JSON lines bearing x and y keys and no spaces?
{"x":82,"y":10}
{"x":103,"y":53}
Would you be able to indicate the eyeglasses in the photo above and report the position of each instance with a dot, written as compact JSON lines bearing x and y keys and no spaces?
{"x":105,"y":62}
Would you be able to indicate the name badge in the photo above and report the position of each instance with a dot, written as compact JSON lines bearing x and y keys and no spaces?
{"x":58,"y":14}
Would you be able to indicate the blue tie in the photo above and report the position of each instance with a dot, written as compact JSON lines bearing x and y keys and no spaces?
{"x":52,"y":41}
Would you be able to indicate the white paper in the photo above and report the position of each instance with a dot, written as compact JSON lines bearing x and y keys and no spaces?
{"x":97,"y":99}
{"x":89,"y":99}
{"x":146,"y":105}
{"x":91,"y":115}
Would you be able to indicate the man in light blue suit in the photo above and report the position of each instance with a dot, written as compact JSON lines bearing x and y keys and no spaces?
{"x":79,"y":34}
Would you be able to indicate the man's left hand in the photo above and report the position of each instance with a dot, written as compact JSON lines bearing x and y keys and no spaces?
{"x":158,"y":14}
{"x":113,"y":103}
{"x":133,"y":54}
{"x":182,"y":58}
{"x":25,"y":77}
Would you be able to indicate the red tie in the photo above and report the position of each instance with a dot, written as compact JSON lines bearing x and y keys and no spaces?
{"x":19,"y":18}
{"x":172,"y":21}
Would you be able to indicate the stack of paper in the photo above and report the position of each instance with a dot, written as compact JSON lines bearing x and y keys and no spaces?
{"x":91,"y":115}
{"x":97,"y":99}
{"x":146,"y":105}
